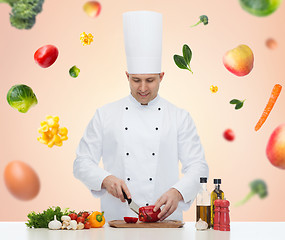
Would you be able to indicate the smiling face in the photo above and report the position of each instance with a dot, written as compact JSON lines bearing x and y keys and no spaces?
{"x":144,"y":87}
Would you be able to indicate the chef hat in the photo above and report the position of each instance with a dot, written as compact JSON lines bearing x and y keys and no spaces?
{"x":143,"y":40}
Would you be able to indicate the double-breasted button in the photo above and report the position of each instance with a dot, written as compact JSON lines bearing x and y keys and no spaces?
{"x":150,"y":179}
{"x":159,"y":109}
{"x":156,"y":128}
{"x":146,"y":204}
{"x":128,"y":179}
{"x":153,"y":154}
{"x":127,"y":154}
{"x":126,"y":108}
{"x":126,"y":128}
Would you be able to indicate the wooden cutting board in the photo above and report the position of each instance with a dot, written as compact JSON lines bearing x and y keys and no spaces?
{"x":163,"y":224}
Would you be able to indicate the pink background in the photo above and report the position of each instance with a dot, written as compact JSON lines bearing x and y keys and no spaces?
{"x":102,"y":80}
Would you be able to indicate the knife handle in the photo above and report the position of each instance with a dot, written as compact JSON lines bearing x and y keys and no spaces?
{"x":125,"y":196}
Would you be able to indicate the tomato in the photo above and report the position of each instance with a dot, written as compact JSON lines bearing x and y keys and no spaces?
{"x":87,"y":225}
{"x":84,"y":214}
{"x":130,"y":219}
{"x":46,"y":55}
{"x":73,"y":216}
{"x":229,"y":135}
{"x":80,"y":219}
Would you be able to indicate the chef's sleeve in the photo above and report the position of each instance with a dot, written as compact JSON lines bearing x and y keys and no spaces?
{"x":88,"y":154}
{"x":191,"y":155}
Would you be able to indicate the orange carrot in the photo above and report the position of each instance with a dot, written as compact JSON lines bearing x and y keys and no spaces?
{"x":274,"y":95}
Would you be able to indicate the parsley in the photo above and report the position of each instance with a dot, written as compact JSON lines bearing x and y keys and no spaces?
{"x":41,"y":220}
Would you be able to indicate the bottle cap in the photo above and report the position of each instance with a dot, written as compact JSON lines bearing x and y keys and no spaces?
{"x":203,"y":180}
{"x":217,"y":181}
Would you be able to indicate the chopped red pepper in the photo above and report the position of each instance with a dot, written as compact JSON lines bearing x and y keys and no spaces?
{"x":130,"y":219}
{"x":146,"y":214}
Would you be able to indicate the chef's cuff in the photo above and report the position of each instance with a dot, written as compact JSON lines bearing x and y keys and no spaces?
{"x":97,"y":189}
{"x":98,"y":194}
{"x":183,"y":205}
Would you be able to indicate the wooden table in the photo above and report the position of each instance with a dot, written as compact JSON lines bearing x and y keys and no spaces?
{"x":239,"y":231}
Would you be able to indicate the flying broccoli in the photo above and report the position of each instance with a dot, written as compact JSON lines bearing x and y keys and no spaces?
{"x":203,"y":19}
{"x":257,"y":186}
{"x":24,"y":12}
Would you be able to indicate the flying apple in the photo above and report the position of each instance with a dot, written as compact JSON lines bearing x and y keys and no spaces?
{"x":92,"y":8}
{"x":275,"y":149}
{"x":239,"y":60}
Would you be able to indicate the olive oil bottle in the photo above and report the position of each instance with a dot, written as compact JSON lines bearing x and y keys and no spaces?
{"x":217,"y":193}
{"x":203,"y":203}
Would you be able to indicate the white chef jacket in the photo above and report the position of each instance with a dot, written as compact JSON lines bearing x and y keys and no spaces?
{"x":142,"y":145}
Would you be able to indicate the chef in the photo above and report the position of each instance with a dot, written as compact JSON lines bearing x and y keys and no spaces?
{"x":142,"y":137}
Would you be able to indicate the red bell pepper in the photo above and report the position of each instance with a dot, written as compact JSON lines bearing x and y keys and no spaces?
{"x":130,"y":219}
{"x":146,"y":214}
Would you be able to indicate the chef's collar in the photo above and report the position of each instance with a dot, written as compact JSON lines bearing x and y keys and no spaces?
{"x":151,"y":103}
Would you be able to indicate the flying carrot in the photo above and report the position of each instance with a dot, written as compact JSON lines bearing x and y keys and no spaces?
{"x":274,"y":95}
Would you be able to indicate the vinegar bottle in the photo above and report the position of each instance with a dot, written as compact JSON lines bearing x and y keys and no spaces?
{"x":217,"y":193}
{"x":203,"y":203}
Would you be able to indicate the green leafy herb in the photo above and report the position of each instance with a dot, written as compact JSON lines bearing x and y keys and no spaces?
{"x":187,"y":53}
{"x":203,"y":19}
{"x":41,"y":220}
{"x":238,"y":103}
{"x":184,"y":62}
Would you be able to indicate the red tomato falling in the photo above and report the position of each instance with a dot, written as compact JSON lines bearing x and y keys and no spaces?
{"x":229,"y":135}
{"x":46,"y":55}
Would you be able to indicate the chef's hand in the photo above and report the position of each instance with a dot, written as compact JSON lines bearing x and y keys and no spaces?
{"x":170,"y":199}
{"x":114,"y":186}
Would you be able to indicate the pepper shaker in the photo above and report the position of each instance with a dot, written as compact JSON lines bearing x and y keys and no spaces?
{"x":217,"y":215}
{"x":224,"y":215}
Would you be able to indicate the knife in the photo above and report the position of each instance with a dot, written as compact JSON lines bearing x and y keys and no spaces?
{"x":133,"y":206}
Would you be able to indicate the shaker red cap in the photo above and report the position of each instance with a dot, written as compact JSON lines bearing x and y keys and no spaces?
{"x":218,"y":202}
{"x":224,"y":203}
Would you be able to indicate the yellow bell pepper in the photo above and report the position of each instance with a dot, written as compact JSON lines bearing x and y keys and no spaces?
{"x":97,"y":219}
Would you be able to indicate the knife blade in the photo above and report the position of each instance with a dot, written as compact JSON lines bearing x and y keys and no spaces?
{"x":133,"y":206}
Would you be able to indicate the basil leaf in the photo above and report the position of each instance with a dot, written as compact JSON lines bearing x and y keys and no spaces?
{"x":180,"y":62}
{"x":239,"y":105}
{"x":235,"y":101}
{"x":187,"y":53}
